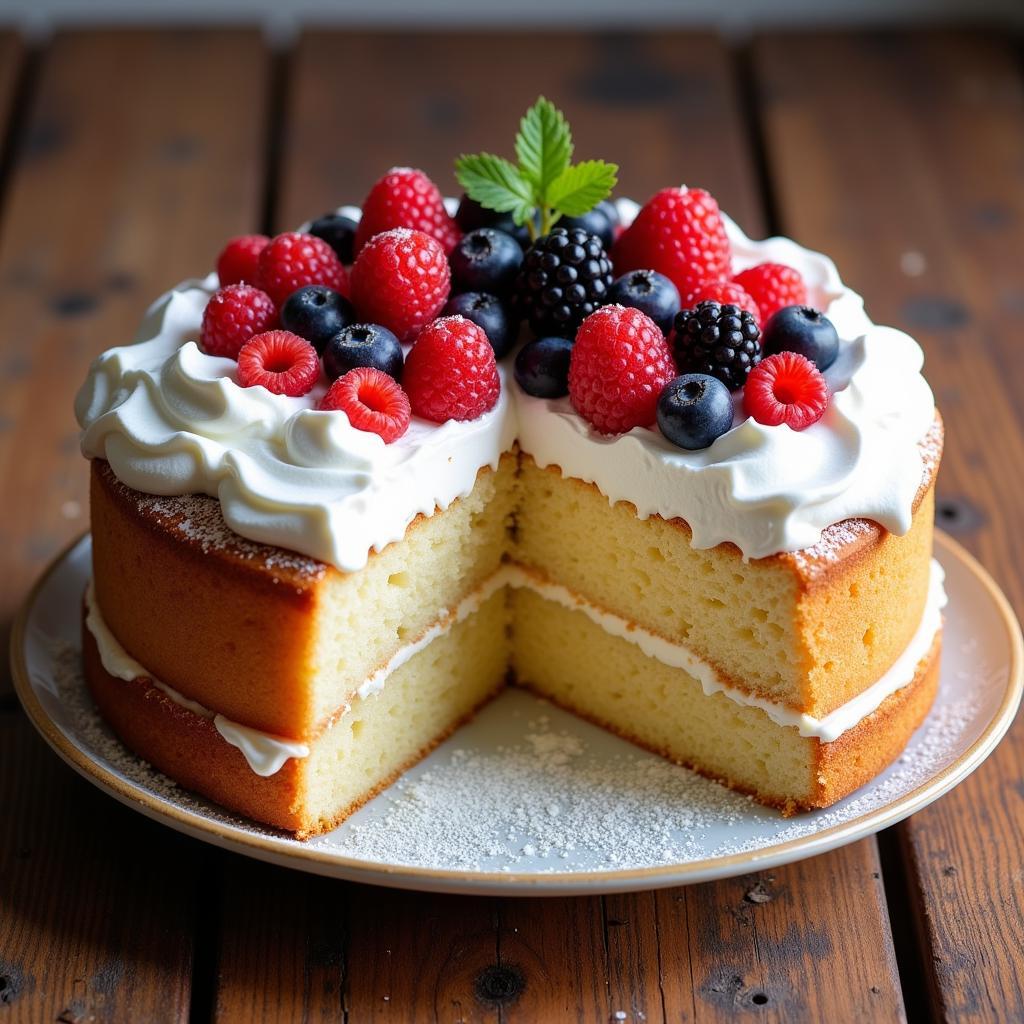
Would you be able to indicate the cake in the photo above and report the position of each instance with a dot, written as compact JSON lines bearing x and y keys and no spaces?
{"x":336,"y":511}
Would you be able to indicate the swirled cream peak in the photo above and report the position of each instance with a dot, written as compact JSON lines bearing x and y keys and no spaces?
{"x":172,"y":420}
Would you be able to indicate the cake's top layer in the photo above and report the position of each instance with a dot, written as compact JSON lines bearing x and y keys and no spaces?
{"x":172,"y":420}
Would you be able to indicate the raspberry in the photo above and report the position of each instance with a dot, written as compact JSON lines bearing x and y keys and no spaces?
{"x":725,"y":293}
{"x":372,"y":400}
{"x":401,"y":280}
{"x":239,"y":259}
{"x":281,"y":362}
{"x":232,"y":316}
{"x":618,"y":367}
{"x":772,"y":286}
{"x":293,"y":260}
{"x":406,"y":198}
{"x":451,"y":372}
{"x":786,"y":388}
{"x":680,"y":234}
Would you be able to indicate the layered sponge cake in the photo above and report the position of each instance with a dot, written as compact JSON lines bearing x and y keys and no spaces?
{"x":318,"y":550}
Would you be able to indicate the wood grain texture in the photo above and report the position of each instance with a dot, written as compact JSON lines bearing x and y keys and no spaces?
{"x":142,"y":152}
{"x":642,"y":101}
{"x":912,"y":181}
{"x":425,"y":957}
{"x":98,"y":904}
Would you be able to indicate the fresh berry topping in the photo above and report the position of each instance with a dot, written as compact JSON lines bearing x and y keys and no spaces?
{"x":694,"y":410}
{"x":316,"y":313}
{"x":772,"y":286}
{"x":292,"y":260}
{"x":401,"y":279}
{"x":650,"y":292}
{"x":239,"y":259}
{"x":725,"y":293}
{"x":406,"y":198}
{"x":680,"y":234}
{"x":722,"y":341}
{"x":485,"y":260}
{"x":542,"y":367}
{"x":363,"y":345}
{"x":486,"y":311}
{"x":339,"y":232}
{"x":281,"y":362}
{"x":786,"y":388}
{"x":372,"y":400}
{"x":232,"y":316}
{"x":565,"y":276}
{"x":451,"y":373}
{"x":596,"y":221}
{"x":619,"y":365}
{"x":804,"y":330}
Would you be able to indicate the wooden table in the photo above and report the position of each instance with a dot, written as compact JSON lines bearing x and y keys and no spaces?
{"x":128,"y":157}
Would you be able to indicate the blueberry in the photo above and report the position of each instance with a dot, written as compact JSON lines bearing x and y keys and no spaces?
{"x":363,"y":345}
{"x":650,"y":292}
{"x":471,"y":215}
{"x":542,"y":367}
{"x":597,"y":221}
{"x":338,"y":231}
{"x":488,"y":313}
{"x":316,"y":313}
{"x":693,"y":410}
{"x":485,"y":260}
{"x":803,"y":330}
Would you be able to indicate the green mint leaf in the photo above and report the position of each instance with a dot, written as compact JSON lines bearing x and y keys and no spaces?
{"x":497,"y":184}
{"x":581,"y":187}
{"x":543,"y":146}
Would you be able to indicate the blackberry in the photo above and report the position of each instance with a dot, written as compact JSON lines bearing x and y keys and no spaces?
{"x":718,"y":339}
{"x":564,"y":277}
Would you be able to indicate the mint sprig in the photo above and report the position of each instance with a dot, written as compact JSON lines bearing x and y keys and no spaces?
{"x":545,"y":185}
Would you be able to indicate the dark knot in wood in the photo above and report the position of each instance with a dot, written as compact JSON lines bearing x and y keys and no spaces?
{"x":499,"y":984}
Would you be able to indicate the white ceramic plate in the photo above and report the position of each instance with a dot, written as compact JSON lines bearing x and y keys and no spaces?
{"x":527,"y":799}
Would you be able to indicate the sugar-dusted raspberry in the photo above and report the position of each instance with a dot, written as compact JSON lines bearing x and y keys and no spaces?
{"x":233,"y":316}
{"x":725,"y":293}
{"x":772,"y":286}
{"x":401,"y":280}
{"x":281,"y":362}
{"x":618,"y":367}
{"x":680,"y":234}
{"x":293,"y":260}
{"x":239,"y":259}
{"x":372,"y":400}
{"x":406,"y":198}
{"x":451,"y":372}
{"x":786,"y":388}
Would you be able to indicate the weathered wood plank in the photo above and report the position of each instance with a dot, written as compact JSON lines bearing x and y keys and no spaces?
{"x":98,"y":903}
{"x":141,"y":153}
{"x":911,"y":180}
{"x":581,"y":959}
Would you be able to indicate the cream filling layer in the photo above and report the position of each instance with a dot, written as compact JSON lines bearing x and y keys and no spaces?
{"x":264,"y":752}
{"x":267,"y":753}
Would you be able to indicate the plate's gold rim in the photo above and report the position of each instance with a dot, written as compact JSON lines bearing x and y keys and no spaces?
{"x":668,"y":874}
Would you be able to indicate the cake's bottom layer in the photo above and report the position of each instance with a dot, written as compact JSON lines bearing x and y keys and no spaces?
{"x":365,"y":750}
{"x":558,"y":652}
{"x":563,"y":655}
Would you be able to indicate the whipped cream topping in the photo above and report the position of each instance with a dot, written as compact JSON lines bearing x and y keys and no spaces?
{"x":265,"y":753}
{"x":172,"y":420}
